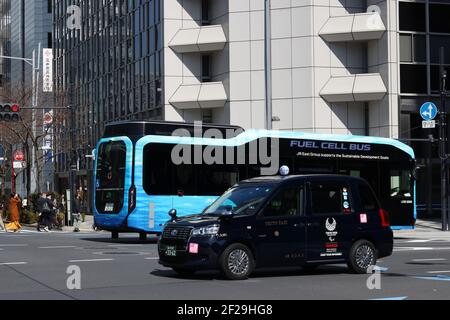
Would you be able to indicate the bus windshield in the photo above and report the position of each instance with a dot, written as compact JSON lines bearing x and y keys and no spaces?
{"x":110,"y":184}
{"x":240,"y":201}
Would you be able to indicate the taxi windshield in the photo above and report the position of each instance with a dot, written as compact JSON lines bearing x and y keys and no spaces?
{"x":243,"y":200}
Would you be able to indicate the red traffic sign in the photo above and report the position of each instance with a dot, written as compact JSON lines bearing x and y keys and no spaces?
{"x":19,"y":156}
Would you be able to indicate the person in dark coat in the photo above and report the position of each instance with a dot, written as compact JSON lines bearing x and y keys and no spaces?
{"x":76,"y":214}
{"x":45,"y":209}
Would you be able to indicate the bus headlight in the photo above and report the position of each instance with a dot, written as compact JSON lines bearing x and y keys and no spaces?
{"x":206,"y":231}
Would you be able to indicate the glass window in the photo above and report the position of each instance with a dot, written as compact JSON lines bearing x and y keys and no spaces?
{"x":286,"y":203}
{"x":111,"y":168}
{"x":413,"y":79}
{"x":439,"y":14}
{"x":244,"y":200}
{"x":161,"y":176}
{"x":401,"y":184}
{"x":330,"y":198}
{"x":412,"y":16}
{"x":406,"y":48}
{"x":436,"y":42}
{"x":368,"y":199}
{"x":436,"y":78}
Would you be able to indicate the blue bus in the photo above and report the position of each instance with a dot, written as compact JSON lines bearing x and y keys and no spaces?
{"x":137,"y":183}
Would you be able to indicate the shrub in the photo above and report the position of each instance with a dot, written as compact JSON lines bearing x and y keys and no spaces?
{"x":28,"y":217}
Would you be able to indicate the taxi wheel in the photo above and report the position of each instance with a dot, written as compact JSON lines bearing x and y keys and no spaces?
{"x":184,"y":272}
{"x":237,"y":262}
{"x":363,"y":255}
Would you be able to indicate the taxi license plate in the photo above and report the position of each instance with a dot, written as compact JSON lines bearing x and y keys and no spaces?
{"x":171,"y":251}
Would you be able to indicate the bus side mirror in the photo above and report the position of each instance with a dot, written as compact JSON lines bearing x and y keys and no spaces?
{"x":173,"y":214}
{"x":415,"y":172}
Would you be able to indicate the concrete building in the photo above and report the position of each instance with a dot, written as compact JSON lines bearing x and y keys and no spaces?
{"x":327,"y":66}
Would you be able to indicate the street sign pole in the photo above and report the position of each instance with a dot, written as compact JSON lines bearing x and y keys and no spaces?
{"x":443,"y":143}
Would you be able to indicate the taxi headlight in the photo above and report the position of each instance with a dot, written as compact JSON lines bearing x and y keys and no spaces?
{"x":207,"y":231}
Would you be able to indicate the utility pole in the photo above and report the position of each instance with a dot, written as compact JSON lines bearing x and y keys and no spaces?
{"x":443,"y":154}
{"x":268,"y":63}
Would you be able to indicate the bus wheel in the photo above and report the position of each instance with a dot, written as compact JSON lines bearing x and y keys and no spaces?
{"x":115,"y":235}
{"x":237,"y":262}
{"x":363,"y":256}
{"x":184,"y":272}
{"x":142,"y":236}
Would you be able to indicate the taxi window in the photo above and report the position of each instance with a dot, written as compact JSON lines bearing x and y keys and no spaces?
{"x":368,"y":200}
{"x":330,"y":198}
{"x":287,"y":203}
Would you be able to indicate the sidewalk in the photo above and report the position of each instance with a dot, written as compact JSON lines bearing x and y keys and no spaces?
{"x":85,"y":226}
{"x":425,"y":229}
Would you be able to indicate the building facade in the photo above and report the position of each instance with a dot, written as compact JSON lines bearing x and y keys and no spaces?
{"x":31,"y":27}
{"x":325,"y":66}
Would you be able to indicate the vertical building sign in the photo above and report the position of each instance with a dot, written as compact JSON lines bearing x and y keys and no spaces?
{"x":48,"y":70}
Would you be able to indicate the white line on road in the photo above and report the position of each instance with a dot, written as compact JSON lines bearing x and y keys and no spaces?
{"x":90,"y":260}
{"x":404,"y":249}
{"x":125,"y":245}
{"x":13,"y":245}
{"x":438,"y":272}
{"x":418,"y":241}
{"x":12,"y":263}
{"x":58,"y":247}
{"x":152,"y":258}
{"x":427,"y":260}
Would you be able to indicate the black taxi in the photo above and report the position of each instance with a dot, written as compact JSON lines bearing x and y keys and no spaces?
{"x":279,"y":221}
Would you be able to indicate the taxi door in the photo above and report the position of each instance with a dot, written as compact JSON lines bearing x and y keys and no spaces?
{"x":330,"y":222}
{"x":280,"y":228}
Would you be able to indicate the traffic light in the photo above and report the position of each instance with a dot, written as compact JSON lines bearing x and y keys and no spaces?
{"x":9,"y":112}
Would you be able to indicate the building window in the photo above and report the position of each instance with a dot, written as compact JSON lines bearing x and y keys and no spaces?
{"x":436,"y":42}
{"x":206,"y":68}
{"x":412,"y":16}
{"x":205,"y":13}
{"x":413,"y":78}
{"x":49,"y":40}
{"x":413,"y":48}
{"x":439,"y":14}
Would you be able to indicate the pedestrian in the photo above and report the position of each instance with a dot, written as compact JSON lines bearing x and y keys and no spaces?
{"x":14,"y":215}
{"x":76,"y":214}
{"x":25,"y":203}
{"x":45,"y":207}
{"x":2,"y":225}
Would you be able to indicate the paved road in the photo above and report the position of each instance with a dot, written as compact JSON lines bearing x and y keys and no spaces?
{"x":34,"y":266}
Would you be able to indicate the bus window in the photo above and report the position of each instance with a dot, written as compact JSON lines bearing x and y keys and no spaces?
{"x":400,"y":184}
{"x":162,"y":177}
{"x":110,"y":187}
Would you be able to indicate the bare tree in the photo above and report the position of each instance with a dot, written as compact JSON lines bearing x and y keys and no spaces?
{"x":30,"y":131}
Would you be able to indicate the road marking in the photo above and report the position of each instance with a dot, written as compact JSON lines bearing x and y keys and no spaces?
{"x":438,"y":272}
{"x":427,"y":260}
{"x":125,"y":245}
{"x":152,"y":258}
{"x":403,"y":249}
{"x":58,"y":247}
{"x":436,"y":278}
{"x":391,"y":299}
{"x":418,"y":241}
{"x":13,"y":245}
{"x":380,"y":269}
{"x":13,"y":263}
{"x":90,"y":260}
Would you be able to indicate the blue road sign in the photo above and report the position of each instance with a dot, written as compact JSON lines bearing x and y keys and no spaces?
{"x":428,"y":111}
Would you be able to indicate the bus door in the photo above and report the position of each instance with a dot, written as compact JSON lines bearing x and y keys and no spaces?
{"x":330,"y":219}
{"x":112,"y":181}
{"x":397,"y":197}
